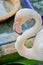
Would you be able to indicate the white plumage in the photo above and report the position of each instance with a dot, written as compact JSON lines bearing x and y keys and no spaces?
{"x":36,"y":52}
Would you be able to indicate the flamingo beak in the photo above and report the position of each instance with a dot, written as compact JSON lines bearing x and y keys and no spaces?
{"x":17,"y":28}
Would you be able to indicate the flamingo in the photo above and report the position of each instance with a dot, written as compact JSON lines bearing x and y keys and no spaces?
{"x":36,"y":52}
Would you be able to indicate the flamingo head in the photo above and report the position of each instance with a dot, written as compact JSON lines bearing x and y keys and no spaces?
{"x":17,"y":27}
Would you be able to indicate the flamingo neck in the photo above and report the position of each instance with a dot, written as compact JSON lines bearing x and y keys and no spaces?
{"x":22,"y":50}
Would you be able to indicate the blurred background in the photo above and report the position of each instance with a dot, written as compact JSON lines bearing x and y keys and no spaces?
{"x":7,"y":26}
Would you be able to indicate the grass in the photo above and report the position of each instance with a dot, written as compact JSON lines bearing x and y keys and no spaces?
{"x":15,"y":57}
{"x":9,"y":58}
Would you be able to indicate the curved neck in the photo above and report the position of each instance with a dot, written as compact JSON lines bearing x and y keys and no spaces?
{"x":22,"y":50}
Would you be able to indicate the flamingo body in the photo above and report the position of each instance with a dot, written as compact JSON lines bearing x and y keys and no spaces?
{"x":36,"y":52}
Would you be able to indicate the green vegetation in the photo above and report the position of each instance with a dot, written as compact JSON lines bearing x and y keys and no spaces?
{"x":9,"y":58}
{"x":14,"y":57}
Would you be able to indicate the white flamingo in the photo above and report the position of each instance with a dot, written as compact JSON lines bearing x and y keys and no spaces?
{"x":36,"y":52}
